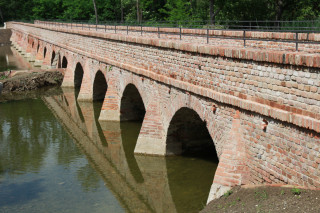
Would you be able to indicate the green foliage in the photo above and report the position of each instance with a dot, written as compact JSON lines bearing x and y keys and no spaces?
{"x":296,"y":191}
{"x":3,"y":77}
{"x":228,"y":193}
{"x":159,"y":10}
{"x":261,"y":195}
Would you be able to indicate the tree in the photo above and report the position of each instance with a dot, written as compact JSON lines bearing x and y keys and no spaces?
{"x":213,"y":12}
{"x":95,"y":10}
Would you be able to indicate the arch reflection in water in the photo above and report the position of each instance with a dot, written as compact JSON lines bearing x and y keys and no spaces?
{"x":141,"y":183}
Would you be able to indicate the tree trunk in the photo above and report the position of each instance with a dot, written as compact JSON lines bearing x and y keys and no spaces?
{"x":1,"y":16}
{"x":95,"y":10}
{"x":279,"y":9}
{"x":138,"y":11}
{"x":213,"y":13}
{"x":121,"y":11}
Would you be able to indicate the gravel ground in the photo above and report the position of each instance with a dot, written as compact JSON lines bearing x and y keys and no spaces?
{"x":267,"y":199}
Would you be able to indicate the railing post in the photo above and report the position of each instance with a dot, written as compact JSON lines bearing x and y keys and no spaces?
{"x":89,"y":26}
{"x":244,"y":38}
{"x":96,"y":27}
{"x":141,"y":29}
{"x":297,"y":40}
{"x":158,"y":32}
{"x":207,"y":35}
{"x":115,"y":29}
{"x":180,"y":32}
{"x":105,"y":28}
{"x":127,"y":30}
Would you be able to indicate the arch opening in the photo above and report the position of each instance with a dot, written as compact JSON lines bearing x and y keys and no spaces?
{"x":32,"y":44}
{"x":38,"y":48}
{"x":78,"y":76}
{"x":132,"y":112}
{"x":64,"y":62}
{"x":132,"y":106}
{"x":45,"y":52}
{"x":100,"y":86}
{"x":188,"y":135}
{"x":53,"y":57}
{"x":190,"y":176}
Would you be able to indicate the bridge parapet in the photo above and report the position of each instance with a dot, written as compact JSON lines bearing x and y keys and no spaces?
{"x":279,"y":84}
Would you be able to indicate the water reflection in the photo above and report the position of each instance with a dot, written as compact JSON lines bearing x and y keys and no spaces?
{"x":41,"y":168}
{"x":10,"y":59}
{"x":28,"y":137}
{"x":140,"y":183}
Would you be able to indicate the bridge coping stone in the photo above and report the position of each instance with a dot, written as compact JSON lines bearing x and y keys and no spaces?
{"x":270,"y":56}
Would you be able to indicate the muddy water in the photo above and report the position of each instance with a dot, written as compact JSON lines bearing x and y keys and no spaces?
{"x":56,"y":157}
{"x":10,"y":59}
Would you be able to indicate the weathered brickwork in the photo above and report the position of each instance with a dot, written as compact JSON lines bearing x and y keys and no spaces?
{"x":261,"y":108}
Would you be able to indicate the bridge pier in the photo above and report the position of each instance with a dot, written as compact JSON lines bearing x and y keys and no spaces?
{"x":152,"y":137}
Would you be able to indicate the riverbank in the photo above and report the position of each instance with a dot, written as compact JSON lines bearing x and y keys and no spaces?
{"x":266,"y":199}
{"x":20,"y":81}
{"x":5,"y":35}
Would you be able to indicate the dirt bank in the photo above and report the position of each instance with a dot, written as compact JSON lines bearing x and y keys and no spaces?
{"x":30,"y":81}
{"x":267,"y":199}
{"x":5,"y":35}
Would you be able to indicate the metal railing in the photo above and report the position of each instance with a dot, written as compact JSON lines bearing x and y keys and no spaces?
{"x":274,"y":26}
{"x":301,"y":35}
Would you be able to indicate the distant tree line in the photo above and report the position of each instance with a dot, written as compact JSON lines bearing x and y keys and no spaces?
{"x":160,"y":10}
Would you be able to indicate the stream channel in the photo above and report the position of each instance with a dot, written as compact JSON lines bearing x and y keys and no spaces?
{"x":56,"y":157}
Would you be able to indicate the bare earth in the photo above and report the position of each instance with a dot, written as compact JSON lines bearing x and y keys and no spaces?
{"x":267,"y":199}
{"x":31,"y":81}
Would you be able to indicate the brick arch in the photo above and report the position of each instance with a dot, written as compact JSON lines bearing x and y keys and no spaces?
{"x":64,"y":61}
{"x":99,"y":86}
{"x":73,"y":60}
{"x":78,"y":73}
{"x":66,"y":55}
{"x":203,"y":108}
{"x":132,"y":103}
{"x":45,"y":51}
{"x":230,"y":147}
{"x":53,"y":55}
{"x":138,"y":83}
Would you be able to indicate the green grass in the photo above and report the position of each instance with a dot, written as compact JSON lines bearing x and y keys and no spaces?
{"x":296,"y":191}
{"x":228,"y":193}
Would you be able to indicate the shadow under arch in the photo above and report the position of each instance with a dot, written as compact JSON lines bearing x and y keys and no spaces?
{"x":100,"y":86}
{"x":132,"y":107}
{"x":45,"y":52}
{"x":97,"y":105}
{"x":64,"y":62}
{"x":38,"y":47}
{"x":188,"y":136}
{"x":52,"y":57}
{"x":78,"y":76}
{"x":132,"y":112}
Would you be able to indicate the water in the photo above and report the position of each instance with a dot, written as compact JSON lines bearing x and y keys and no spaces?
{"x":10,"y":59}
{"x":56,"y":157}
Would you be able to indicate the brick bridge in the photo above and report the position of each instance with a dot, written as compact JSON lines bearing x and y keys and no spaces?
{"x":259,"y":105}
